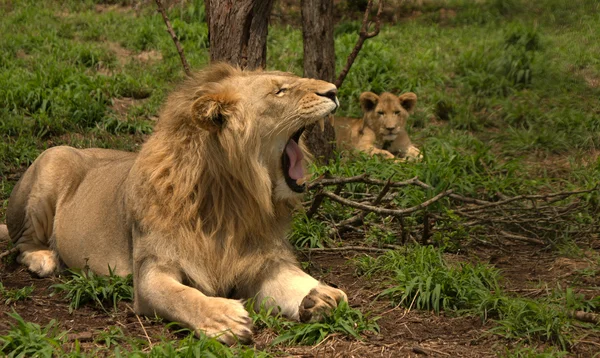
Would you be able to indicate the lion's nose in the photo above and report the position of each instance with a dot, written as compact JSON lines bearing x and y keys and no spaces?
{"x":390,"y":128}
{"x":332,"y":95}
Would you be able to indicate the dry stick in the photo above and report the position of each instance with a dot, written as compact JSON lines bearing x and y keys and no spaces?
{"x":383,"y":211}
{"x":315,"y":204}
{"x":363,"y":178}
{"x":8,"y":252}
{"x":346,"y":248}
{"x":588,"y":317}
{"x":161,"y":9}
{"x":528,"y":197}
{"x":362,"y":36}
{"x":530,"y":240}
{"x":144,"y":329}
{"x":360,"y":216}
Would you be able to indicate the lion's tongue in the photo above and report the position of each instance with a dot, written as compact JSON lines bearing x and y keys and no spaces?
{"x":295,"y":156}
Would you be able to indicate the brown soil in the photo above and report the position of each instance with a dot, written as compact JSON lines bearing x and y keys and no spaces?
{"x":404,"y":333}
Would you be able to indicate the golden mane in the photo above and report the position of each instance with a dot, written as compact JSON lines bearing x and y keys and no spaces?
{"x":184,"y":171}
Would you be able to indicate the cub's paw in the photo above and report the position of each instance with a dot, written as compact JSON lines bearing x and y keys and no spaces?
{"x":320,"y":301}
{"x":226,"y":320}
{"x":413,"y":153}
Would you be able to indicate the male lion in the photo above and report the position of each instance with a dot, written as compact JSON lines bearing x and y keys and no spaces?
{"x":382,"y":130}
{"x":199,"y":216}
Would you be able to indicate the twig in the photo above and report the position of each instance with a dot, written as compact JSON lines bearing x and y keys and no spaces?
{"x":315,"y":204}
{"x":527,"y":197}
{"x":346,"y":248}
{"x":522,"y":238}
{"x":383,"y":211}
{"x":362,"y":36}
{"x":144,"y":329}
{"x":588,"y":317}
{"x":162,"y":11}
{"x":8,"y":252}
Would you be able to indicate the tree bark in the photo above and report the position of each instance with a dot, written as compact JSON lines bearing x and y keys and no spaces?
{"x":319,"y":62}
{"x":237,"y":31}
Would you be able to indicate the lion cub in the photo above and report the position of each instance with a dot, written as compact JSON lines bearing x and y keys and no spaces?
{"x":382,"y":130}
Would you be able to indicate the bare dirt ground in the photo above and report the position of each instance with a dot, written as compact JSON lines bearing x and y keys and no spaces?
{"x":404,"y":333}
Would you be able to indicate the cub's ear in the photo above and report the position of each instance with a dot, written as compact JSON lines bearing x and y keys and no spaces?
{"x":368,"y":101}
{"x":408,"y":101}
{"x":212,"y":111}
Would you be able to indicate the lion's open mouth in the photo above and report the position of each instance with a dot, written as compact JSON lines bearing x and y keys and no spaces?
{"x":291,"y":162}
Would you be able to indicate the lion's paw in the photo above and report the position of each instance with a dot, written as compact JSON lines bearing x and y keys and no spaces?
{"x":320,"y":301}
{"x":226,"y":320}
{"x":41,"y":262}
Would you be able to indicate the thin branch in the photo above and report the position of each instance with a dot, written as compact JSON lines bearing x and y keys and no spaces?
{"x":347,"y":248}
{"x":362,"y":36}
{"x":522,"y":238}
{"x":528,"y":197}
{"x":365,"y":180}
{"x":315,"y":204}
{"x":184,"y":62}
{"x":383,"y":211}
{"x":8,"y":252}
{"x":585,"y":316}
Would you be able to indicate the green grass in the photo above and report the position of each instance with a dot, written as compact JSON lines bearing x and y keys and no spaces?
{"x":421,"y":277}
{"x":14,"y":295}
{"x":27,"y":339}
{"x":84,"y":286}
{"x":343,"y":320}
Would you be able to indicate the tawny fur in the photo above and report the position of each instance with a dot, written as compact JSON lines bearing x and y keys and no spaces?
{"x":199,"y":216}
{"x":382,"y":129}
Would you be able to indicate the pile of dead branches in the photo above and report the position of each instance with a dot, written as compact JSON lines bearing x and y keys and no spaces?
{"x":542,"y":219}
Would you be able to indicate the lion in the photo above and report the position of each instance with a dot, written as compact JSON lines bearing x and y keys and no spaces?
{"x":382,"y":130}
{"x":199,"y":216}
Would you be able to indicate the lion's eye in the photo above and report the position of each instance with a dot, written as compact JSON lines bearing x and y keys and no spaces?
{"x":380,"y":113}
{"x":281,"y":91}
{"x":397,"y":113}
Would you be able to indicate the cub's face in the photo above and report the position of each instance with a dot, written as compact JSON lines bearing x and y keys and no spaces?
{"x":275,"y":108}
{"x":386,"y":114}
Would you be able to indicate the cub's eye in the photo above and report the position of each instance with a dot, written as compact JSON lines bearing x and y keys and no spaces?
{"x":380,"y":113}
{"x":397,"y":113}
{"x":281,"y":91}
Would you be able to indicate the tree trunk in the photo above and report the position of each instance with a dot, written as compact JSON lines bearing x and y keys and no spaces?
{"x":237,"y":31}
{"x":319,"y":62}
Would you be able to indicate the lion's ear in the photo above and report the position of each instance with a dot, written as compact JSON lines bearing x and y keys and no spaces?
{"x":408,"y":101}
{"x":212,"y":111}
{"x":368,"y":101}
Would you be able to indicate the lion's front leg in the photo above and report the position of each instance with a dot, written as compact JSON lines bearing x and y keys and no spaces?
{"x":159,"y":291}
{"x":298,"y":295}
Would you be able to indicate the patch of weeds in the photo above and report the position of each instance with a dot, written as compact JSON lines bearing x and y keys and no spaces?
{"x":308,"y":232}
{"x":533,"y":352}
{"x":27,"y":339}
{"x":420,"y":277}
{"x":343,"y":319}
{"x":12,"y":296}
{"x":83,"y":286}
{"x":190,"y":346}
{"x":378,"y":234}
{"x":523,"y":318}
{"x":500,"y":69}
{"x":111,"y":337}
{"x":115,"y":126}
